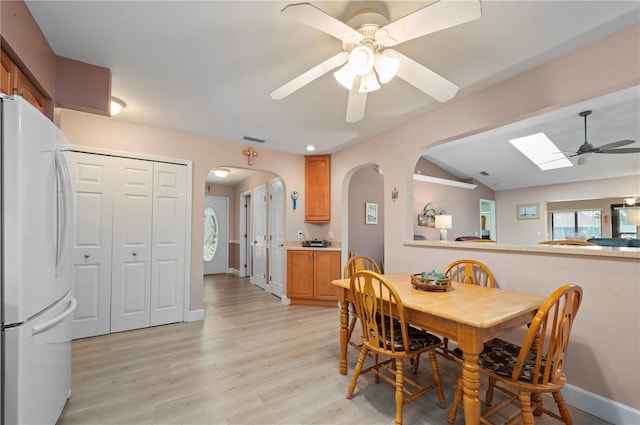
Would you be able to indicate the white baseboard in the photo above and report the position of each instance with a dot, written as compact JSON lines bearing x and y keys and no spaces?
{"x":609,"y":410}
{"x":233,"y":271}
{"x":194,"y":315}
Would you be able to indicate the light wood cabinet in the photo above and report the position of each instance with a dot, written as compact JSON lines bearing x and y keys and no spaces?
{"x":317,"y":205}
{"x":14,"y":81}
{"x":309,"y":276}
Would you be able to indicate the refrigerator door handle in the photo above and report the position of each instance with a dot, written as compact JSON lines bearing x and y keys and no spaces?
{"x":43,"y":327}
{"x":67,"y":212}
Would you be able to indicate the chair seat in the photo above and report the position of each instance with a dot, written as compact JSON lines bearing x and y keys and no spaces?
{"x":418,"y":338}
{"x":500,"y":356}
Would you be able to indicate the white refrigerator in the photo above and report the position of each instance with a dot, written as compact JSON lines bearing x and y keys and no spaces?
{"x":36,"y":298}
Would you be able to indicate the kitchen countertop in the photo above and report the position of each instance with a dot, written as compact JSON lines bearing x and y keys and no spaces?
{"x":297,"y":246}
{"x":589,"y":251}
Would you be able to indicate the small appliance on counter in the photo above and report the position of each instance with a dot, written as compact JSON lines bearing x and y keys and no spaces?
{"x":315,"y":243}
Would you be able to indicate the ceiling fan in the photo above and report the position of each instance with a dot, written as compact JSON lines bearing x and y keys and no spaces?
{"x":586,"y":149}
{"x":366,"y":57}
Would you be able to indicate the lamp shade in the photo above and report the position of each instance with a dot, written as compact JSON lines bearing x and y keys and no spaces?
{"x":443,"y":222}
{"x":369,"y":83}
{"x":361,"y":59}
{"x":345,"y":77}
{"x":386,"y":65}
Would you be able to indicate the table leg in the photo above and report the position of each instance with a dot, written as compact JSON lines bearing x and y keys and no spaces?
{"x":344,"y":323}
{"x":471,"y":387}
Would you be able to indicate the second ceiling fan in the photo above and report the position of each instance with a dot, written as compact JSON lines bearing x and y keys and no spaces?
{"x":366,"y":57}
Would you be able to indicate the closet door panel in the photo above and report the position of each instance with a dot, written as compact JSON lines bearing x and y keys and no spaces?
{"x":168,"y":254}
{"x":132,"y":224}
{"x":90,"y":252}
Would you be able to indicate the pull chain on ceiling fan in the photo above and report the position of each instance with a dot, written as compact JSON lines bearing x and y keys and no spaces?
{"x":366,"y":59}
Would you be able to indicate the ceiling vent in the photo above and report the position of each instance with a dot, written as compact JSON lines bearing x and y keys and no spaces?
{"x":484,"y":173}
{"x":253,"y":139}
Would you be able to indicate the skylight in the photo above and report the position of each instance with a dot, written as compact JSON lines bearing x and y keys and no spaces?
{"x":541,"y":151}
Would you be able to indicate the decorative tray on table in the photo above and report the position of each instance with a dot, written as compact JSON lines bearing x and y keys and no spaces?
{"x":431,"y":281}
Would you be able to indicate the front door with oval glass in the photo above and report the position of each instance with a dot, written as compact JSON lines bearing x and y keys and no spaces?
{"x":215,"y":250}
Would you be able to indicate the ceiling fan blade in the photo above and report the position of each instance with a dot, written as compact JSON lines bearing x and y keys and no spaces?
{"x":310,"y":15}
{"x":622,"y":150}
{"x":435,"y":17}
{"x":426,"y":80}
{"x":615,"y":144}
{"x":304,"y":79}
{"x":356,"y":103}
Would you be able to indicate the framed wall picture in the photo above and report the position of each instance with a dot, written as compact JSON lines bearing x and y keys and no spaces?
{"x":528,"y":211}
{"x":370,"y":213}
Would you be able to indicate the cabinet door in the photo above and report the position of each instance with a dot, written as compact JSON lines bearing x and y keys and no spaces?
{"x":7,"y":74}
{"x":90,"y":252}
{"x":30,"y":92}
{"x":169,"y":234}
{"x":326,"y":268}
{"x":132,"y":223}
{"x":300,"y":274}
{"x":317,"y":204}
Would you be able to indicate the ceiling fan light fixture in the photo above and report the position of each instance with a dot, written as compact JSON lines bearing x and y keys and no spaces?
{"x":630,"y":200}
{"x":369,"y":83}
{"x":361,"y":59}
{"x":386,"y":65}
{"x":221,"y":172}
{"x":345,"y":77}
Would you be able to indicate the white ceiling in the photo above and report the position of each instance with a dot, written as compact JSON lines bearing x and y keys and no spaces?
{"x":208,"y":67}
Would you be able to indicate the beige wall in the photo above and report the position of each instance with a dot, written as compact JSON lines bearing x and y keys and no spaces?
{"x":514,"y":231}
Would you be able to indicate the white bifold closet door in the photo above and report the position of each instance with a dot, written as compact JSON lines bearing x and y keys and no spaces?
{"x":90,"y":251}
{"x":132,"y":227}
{"x":169,"y":239}
{"x":129,"y":245}
{"x":149,"y":244}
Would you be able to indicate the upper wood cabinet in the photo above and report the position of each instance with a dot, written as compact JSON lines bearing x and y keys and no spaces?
{"x":317,"y":205}
{"x":14,"y":81}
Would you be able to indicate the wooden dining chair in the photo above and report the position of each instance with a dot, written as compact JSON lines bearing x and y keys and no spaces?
{"x":386,"y":333}
{"x":535,"y":367}
{"x":567,"y":242}
{"x":472,"y":272}
{"x":354,"y":264}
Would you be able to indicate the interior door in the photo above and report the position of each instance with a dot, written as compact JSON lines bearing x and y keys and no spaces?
{"x":90,"y":252}
{"x":217,"y":229}
{"x":488,"y":219}
{"x":259,"y":276}
{"x":276,"y":237}
{"x":168,"y":243}
{"x":245,"y":240}
{"x":132,"y":224}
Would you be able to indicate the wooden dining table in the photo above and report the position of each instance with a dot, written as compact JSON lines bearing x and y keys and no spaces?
{"x":468,"y":314}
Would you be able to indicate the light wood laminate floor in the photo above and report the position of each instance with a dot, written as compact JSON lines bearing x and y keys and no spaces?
{"x":251,"y":361}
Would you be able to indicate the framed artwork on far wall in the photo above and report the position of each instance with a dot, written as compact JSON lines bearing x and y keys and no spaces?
{"x":370,"y":213}
{"x":528,"y":211}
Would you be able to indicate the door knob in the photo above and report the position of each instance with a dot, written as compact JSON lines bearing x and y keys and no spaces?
{"x":87,"y":255}
{"x":134,"y":253}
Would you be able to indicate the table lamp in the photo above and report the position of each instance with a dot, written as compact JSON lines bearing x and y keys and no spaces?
{"x":443,"y":222}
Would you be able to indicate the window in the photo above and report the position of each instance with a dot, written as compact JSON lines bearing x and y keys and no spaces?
{"x":576,"y":224}
{"x":620,"y":226}
{"x":210,"y":234}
